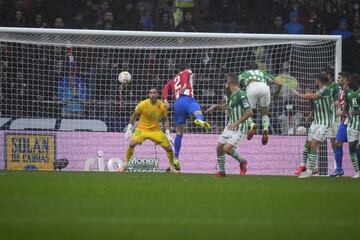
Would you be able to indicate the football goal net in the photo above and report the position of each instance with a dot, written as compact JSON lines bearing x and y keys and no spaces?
{"x":61,"y":98}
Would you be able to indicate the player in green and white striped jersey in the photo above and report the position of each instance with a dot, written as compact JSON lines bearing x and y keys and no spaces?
{"x":335,"y":88}
{"x":258,"y":92}
{"x":236,"y":127}
{"x":323,"y":119}
{"x":352,"y":106}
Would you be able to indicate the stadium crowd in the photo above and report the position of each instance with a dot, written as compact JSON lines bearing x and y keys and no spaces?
{"x":339,"y":17}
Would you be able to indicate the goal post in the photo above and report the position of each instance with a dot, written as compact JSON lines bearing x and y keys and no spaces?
{"x":37,"y":66}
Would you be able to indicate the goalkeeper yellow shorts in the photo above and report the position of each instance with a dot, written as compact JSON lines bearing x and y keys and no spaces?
{"x":157,"y":137}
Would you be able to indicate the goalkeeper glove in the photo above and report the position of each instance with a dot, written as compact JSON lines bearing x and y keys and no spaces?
{"x":128,"y":132}
{"x":169,"y":137}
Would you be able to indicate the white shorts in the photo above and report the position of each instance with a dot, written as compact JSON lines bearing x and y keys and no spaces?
{"x":317,"y":132}
{"x":333,"y":129}
{"x":352,"y":134}
{"x":232,"y":137}
{"x":258,"y":93}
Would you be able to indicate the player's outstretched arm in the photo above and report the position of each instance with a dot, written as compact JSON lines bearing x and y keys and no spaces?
{"x":307,"y":96}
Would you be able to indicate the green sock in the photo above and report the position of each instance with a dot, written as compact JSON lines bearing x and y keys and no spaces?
{"x":312,"y":160}
{"x":265,"y":121}
{"x":236,"y":155}
{"x":305,"y":155}
{"x":221,"y":162}
{"x":354,"y":160}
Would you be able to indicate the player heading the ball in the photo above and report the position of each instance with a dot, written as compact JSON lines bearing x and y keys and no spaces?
{"x":184,"y":103}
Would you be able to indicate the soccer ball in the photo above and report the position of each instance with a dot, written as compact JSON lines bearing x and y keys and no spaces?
{"x":300,"y":131}
{"x":124,"y":77}
{"x":114,"y":164}
{"x":177,"y":164}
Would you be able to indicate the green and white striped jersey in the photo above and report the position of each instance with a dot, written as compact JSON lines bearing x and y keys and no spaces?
{"x":335,"y":90}
{"x":255,"y":75}
{"x":352,"y":100}
{"x":324,"y":107}
{"x":238,"y":104}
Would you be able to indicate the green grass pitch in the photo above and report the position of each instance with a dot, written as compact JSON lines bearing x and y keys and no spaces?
{"x":79,"y":205}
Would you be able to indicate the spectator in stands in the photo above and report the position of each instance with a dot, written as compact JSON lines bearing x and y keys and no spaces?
{"x":72,"y":93}
{"x":129,"y":18}
{"x":165,"y":23}
{"x":342,"y":29}
{"x":89,"y":13}
{"x":38,"y":21}
{"x":310,"y":18}
{"x":294,"y":27}
{"x":225,"y":14}
{"x":180,"y":7}
{"x":107,"y":22}
{"x":278,"y":26}
{"x":78,"y":21}
{"x":104,"y":7}
{"x":162,"y":6}
{"x":58,"y":22}
{"x":187,"y":25}
{"x":109,"y":18}
{"x":145,"y":21}
{"x":18,"y":20}
{"x":39,"y":7}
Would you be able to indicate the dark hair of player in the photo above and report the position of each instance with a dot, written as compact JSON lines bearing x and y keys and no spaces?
{"x":252,"y":66}
{"x":354,"y":80}
{"x":231,"y":78}
{"x":344,"y":74}
{"x":153,"y":89}
{"x":329,"y":71}
{"x":182,"y":66}
{"x":322,"y":78}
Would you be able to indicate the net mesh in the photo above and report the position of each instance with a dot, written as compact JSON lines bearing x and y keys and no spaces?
{"x":34,"y":66}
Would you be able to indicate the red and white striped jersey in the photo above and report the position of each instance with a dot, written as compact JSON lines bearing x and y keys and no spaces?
{"x":182,"y":84}
{"x":342,"y":104}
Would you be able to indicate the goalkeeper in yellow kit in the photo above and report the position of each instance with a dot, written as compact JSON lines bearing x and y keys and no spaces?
{"x":150,"y":113}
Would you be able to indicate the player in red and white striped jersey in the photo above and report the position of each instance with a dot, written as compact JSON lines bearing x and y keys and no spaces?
{"x":180,"y":85}
{"x":185,"y":104}
{"x":341,"y":135}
